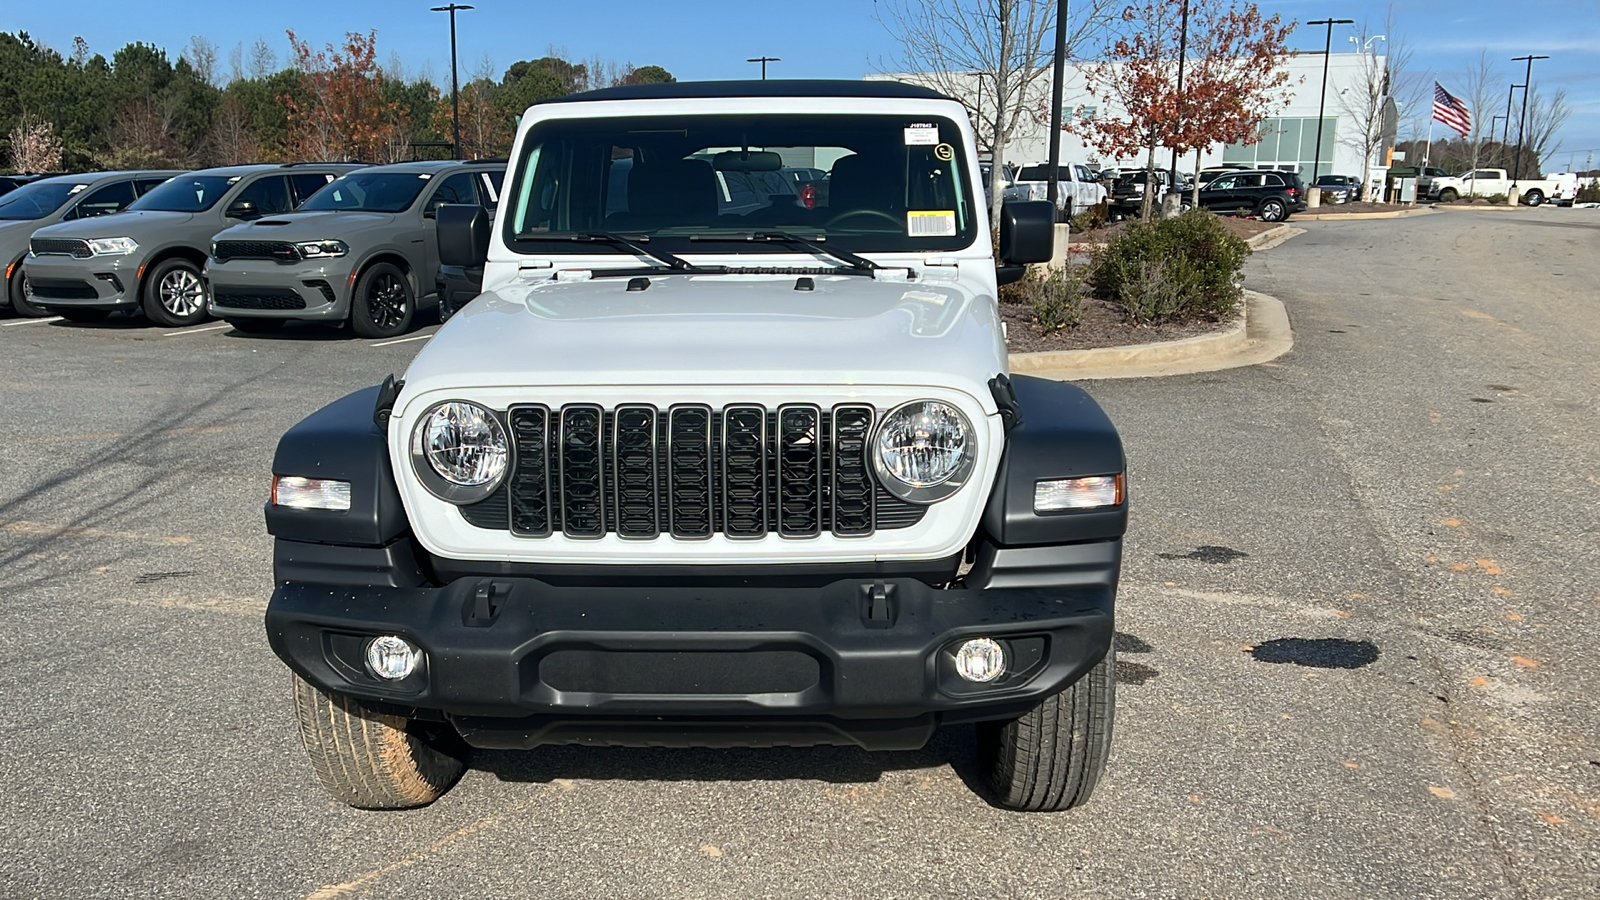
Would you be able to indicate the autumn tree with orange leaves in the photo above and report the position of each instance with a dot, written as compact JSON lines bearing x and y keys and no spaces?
{"x":1234,"y":77}
{"x":340,"y":112}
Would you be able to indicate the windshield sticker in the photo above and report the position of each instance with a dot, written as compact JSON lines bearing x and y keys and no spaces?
{"x":931,"y":223}
{"x":76,"y":188}
{"x":424,"y":176}
{"x":924,"y":134}
{"x":944,"y":152}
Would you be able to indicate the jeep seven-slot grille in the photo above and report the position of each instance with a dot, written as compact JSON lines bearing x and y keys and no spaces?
{"x":691,"y":471}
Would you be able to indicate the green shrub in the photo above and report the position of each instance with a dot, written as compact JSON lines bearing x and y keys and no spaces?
{"x":1498,"y":198}
{"x":1589,"y":193}
{"x":1183,"y":268}
{"x":1054,"y":296}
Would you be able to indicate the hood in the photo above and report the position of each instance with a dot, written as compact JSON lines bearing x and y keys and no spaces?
{"x":718,"y":329}
{"x":123,"y":224}
{"x":319,"y":225}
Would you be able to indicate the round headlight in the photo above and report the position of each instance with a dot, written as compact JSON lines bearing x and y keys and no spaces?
{"x":925,"y":451}
{"x":459,"y":451}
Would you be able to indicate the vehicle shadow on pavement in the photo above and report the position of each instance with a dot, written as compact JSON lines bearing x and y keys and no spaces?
{"x":955,"y":746}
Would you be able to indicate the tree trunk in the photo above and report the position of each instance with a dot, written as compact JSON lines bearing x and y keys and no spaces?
{"x":1149,"y":185}
{"x":1194,"y":197}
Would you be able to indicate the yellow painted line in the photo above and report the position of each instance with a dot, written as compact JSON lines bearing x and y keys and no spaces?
{"x":30,"y":322}
{"x":197,"y":330}
{"x":414,"y":337}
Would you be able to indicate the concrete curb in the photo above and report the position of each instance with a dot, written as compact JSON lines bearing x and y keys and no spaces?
{"x":1261,"y":333}
{"x":1487,"y":207}
{"x":1396,"y":214}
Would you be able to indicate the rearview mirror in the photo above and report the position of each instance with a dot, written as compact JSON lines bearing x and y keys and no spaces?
{"x":463,"y":232}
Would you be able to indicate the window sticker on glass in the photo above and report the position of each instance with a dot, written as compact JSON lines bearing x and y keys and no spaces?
{"x":76,"y":188}
{"x":931,"y":223}
{"x":925,"y":134}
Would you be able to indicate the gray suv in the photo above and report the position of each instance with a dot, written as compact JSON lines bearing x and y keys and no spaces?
{"x":363,"y":250}
{"x":64,"y":198}
{"x":150,"y":255}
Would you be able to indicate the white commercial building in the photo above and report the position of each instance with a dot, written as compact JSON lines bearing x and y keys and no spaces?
{"x":1288,"y":137}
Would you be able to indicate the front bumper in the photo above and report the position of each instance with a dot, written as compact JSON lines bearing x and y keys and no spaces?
{"x":518,"y":662}
{"x":253,"y":288}
{"x":98,"y":282}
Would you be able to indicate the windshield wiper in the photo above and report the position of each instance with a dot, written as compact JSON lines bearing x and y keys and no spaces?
{"x":851,"y":261}
{"x":636,"y":245}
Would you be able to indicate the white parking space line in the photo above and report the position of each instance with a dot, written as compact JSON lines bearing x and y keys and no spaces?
{"x":197,"y":330}
{"x":414,"y":337}
{"x":29,"y":322}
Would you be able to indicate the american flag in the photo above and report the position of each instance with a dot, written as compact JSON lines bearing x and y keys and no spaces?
{"x":1451,"y":111}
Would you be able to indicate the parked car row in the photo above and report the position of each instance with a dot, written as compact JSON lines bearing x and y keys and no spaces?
{"x":254,"y":245}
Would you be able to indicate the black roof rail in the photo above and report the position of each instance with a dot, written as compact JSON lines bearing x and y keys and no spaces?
{"x":492,"y":161}
{"x":328,"y":162}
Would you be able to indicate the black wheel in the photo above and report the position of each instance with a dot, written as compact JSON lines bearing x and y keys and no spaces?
{"x":1449,"y":195}
{"x":17,"y":289}
{"x":383,"y":304}
{"x":1051,"y":758}
{"x":1533,"y":198}
{"x":256,"y":326}
{"x":81,"y":315}
{"x":371,"y":760}
{"x":174,"y":295}
{"x":1272,"y":211}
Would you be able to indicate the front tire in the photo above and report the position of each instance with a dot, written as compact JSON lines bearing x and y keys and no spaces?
{"x":383,"y":305}
{"x":1449,"y":195}
{"x":371,"y":760}
{"x":17,"y":289}
{"x":1272,"y":211}
{"x":1051,"y":757}
{"x":174,"y":296}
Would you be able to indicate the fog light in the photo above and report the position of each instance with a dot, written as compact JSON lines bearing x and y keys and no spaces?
{"x":391,"y":658}
{"x":980,"y":660}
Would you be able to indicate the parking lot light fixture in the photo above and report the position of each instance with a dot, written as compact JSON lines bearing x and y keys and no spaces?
{"x":1522,"y":117}
{"x":1322,"y":101}
{"x":764,"y":60}
{"x":455,"y":81}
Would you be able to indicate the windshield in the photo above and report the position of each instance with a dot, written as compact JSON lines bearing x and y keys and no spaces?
{"x":187,"y":193}
{"x":37,"y":200}
{"x":1041,"y":173}
{"x":886,"y":182}
{"x":389,"y":192}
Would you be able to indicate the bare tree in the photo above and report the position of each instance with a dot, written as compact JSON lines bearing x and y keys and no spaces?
{"x":233,"y":140}
{"x":202,"y":56}
{"x":263,"y":61}
{"x":1370,"y":102}
{"x":992,"y":55}
{"x":34,"y":146}
{"x":1481,"y":83}
{"x":1546,"y":115}
{"x":236,"y":63}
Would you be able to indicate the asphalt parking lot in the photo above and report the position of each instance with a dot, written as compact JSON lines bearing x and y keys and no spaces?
{"x":1357,"y":631}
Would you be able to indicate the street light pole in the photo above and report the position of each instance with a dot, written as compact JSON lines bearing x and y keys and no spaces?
{"x":764,"y":60}
{"x":1505,"y":130}
{"x":1057,"y":88}
{"x":1522,"y":118}
{"x":455,"y":83}
{"x":1183,"y":57}
{"x":1322,"y":100}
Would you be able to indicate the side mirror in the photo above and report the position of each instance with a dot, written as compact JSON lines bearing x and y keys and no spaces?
{"x":463,"y":232}
{"x":1027,"y":235}
{"x":243,"y":209}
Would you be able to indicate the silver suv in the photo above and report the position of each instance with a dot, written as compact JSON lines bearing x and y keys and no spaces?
{"x":363,"y":250}
{"x":149,"y":256}
{"x":64,"y":198}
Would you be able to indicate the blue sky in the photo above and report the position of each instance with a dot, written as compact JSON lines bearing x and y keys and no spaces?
{"x":703,"y":39}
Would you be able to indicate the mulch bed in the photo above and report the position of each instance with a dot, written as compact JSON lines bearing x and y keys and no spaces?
{"x":1102,"y":326}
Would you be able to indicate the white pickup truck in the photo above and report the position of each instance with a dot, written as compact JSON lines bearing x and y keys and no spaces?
{"x":1489,"y":182}
{"x":1077,"y":187}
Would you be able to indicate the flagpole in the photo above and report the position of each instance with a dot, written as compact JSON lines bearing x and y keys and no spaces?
{"x":1425,"y":154}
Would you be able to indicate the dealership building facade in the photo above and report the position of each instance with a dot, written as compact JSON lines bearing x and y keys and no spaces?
{"x":1287,"y":138}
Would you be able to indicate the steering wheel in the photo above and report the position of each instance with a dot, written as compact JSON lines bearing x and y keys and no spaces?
{"x":855,"y":213}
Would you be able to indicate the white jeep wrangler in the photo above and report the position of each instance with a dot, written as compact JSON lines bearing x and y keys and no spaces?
{"x":704,"y":466}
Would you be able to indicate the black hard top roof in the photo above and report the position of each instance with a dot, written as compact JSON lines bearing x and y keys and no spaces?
{"x":706,"y":90}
